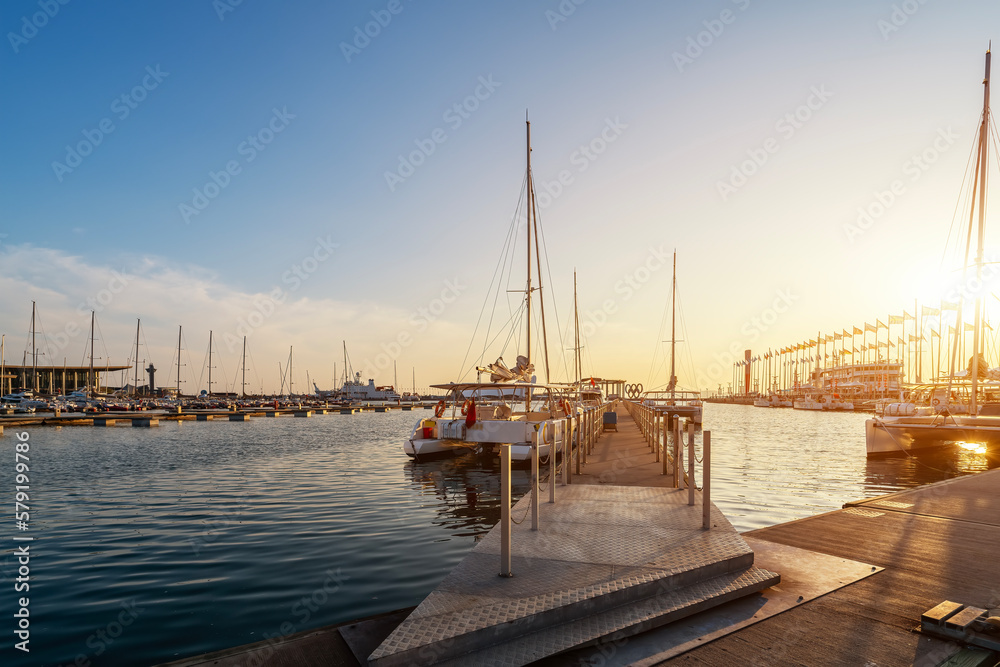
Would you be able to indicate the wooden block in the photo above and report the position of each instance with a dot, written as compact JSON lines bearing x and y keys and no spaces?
{"x":962,"y":619}
{"x":942,"y":612}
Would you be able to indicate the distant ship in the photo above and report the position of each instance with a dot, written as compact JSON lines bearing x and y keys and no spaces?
{"x":356,"y":390}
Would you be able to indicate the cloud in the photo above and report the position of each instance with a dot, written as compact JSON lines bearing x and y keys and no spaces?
{"x":165,"y":295}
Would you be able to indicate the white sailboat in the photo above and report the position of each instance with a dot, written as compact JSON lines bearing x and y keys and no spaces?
{"x":509,"y":409}
{"x":902,"y":427}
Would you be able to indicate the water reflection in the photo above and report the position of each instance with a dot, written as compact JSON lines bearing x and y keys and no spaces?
{"x":466,"y":490}
{"x":885,"y":475}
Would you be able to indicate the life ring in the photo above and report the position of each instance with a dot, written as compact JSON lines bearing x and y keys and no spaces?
{"x":466,"y":405}
{"x":439,"y":409}
{"x":936,"y":402}
{"x":564,"y":405}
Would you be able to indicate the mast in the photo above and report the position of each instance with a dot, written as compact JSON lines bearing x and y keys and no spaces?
{"x":290,"y":392}
{"x":90,"y":377}
{"x":673,"y":329}
{"x":527,"y":394}
{"x":179,"y":328}
{"x":244,"y":366}
{"x":576,"y":334}
{"x":135,"y":383}
{"x":210,"y":362}
{"x":34,"y":352}
{"x":3,"y":364}
{"x":983,"y":137}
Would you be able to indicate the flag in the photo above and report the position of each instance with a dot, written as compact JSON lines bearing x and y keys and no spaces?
{"x":899,"y":339}
{"x":869,"y":327}
{"x":950,"y":306}
{"x":896,"y":319}
{"x":913,"y":338}
{"x":907,"y":316}
{"x":837,"y":336}
{"x":859,"y":331}
{"x":846,"y":335}
{"x":879,"y":323}
{"x":927,"y":310}
{"x":969,"y":327}
{"x":935,"y":333}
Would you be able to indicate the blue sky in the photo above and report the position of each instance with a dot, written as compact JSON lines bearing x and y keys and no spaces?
{"x":312,"y":219}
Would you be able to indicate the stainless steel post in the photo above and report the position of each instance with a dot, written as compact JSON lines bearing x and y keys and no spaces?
{"x":576,"y":441}
{"x":656,"y":436}
{"x":505,"y":511}
{"x":552,"y":461}
{"x":678,"y":460}
{"x":691,"y":483}
{"x":567,"y":447}
{"x":534,"y":480}
{"x":706,"y":476}
{"x":663,"y":418}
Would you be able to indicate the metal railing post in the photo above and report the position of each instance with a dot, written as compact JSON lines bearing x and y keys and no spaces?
{"x":576,"y":440}
{"x":552,"y":462}
{"x":534,"y":480}
{"x":505,"y":511}
{"x":678,"y":459}
{"x":656,"y":436}
{"x":567,"y":450}
{"x":706,"y":477}
{"x":664,"y":457}
{"x":691,"y":483}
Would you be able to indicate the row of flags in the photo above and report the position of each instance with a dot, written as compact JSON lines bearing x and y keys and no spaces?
{"x":809,"y":345}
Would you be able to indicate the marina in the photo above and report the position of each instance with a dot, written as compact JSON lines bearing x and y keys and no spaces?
{"x":189,"y":559}
{"x":700,"y":306}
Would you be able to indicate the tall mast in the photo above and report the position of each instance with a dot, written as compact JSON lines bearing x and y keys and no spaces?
{"x":34,"y":352}
{"x":210,"y":362}
{"x":673,"y":329}
{"x":90,"y":377}
{"x":983,"y":137}
{"x":135,"y":383}
{"x":3,"y":363}
{"x":179,"y":328}
{"x":578,"y":367}
{"x":290,"y":371}
{"x":527,"y":394}
{"x":538,"y":263}
{"x":244,"y":366}
{"x":528,"y":291}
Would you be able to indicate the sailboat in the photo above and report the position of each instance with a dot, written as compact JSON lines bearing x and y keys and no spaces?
{"x":512,"y":408}
{"x":902,"y":427}
{"x":684,"y":403}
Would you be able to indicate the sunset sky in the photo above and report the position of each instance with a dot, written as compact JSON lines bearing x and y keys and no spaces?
{"x":314,"y":172}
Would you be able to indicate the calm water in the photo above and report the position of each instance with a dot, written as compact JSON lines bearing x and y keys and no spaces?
{"x":155,"y":544}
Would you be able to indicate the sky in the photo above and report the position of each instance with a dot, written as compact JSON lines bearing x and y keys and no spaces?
{"x":314,"y":174}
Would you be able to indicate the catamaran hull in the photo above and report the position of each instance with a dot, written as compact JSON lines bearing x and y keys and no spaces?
{"x":887,"y":438}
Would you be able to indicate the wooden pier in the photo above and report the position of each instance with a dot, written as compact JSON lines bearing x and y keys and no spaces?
{"x":854,"y":583}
